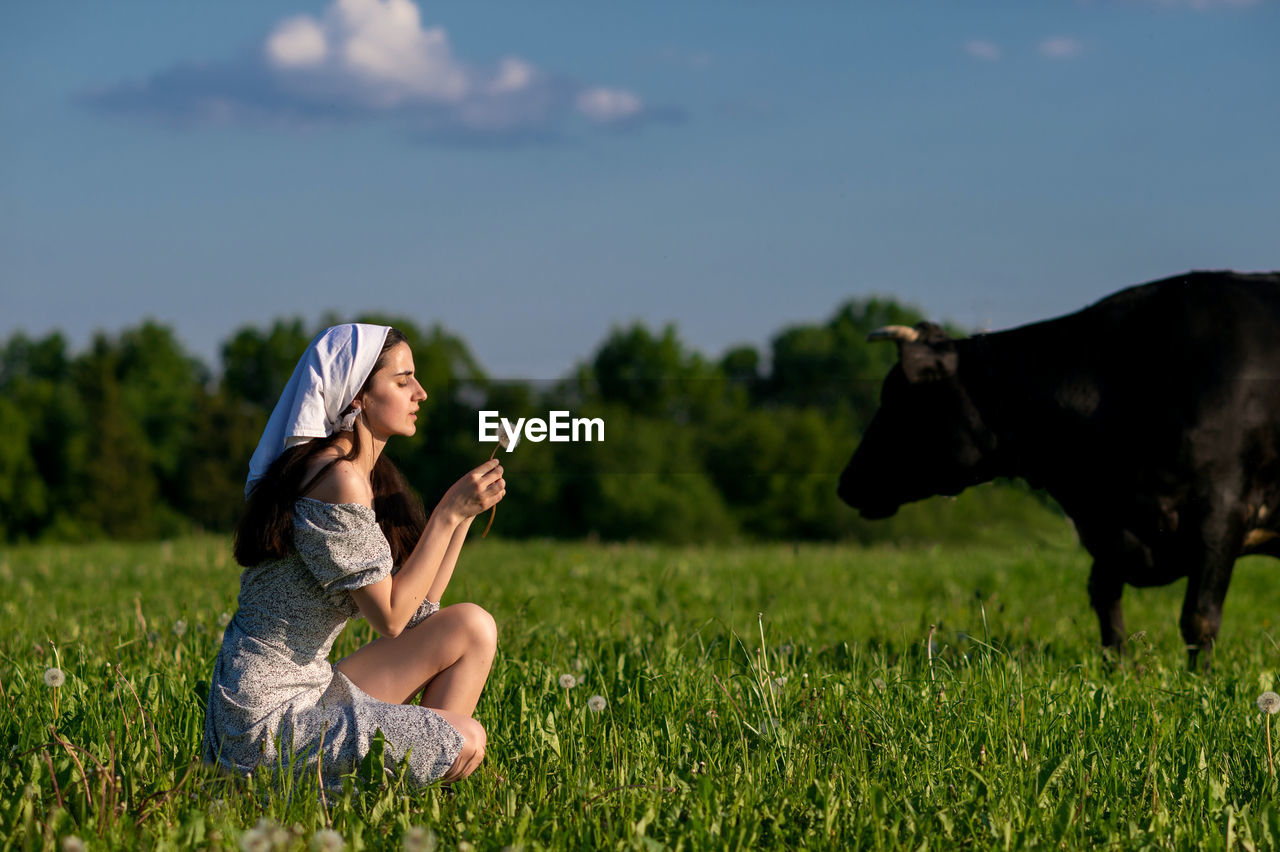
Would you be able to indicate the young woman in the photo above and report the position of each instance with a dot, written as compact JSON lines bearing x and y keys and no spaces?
{"x":331,"y":531}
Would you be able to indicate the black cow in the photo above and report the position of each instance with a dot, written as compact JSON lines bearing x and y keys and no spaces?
{"x":1153,"y":417}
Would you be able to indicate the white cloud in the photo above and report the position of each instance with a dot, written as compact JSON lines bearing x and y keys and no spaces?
{"x":607,"y":105}
{"x":379,"y":52}
{"x":1060,"y":47}
{"x":982,"y":49}
{"x":513,"y":75}
{"x":297,"y":42}
{"x":378,"y":48}
{"x":359,"y":58}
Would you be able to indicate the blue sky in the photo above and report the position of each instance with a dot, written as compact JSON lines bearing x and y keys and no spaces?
{"x":530,"y":173}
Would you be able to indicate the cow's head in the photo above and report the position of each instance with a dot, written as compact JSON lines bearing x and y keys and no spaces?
{"x":927,"y":437}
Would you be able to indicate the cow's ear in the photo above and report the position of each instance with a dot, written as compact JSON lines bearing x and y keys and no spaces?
{"x":930,"y":357}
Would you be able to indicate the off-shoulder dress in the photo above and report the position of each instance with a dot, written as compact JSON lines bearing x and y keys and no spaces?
{"x":275,"y":699}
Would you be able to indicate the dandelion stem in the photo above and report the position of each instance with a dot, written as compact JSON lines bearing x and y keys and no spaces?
{"x":493,"y":513}
{"x":928,"y":649}
{"x":84,"y":776}
{"x":324,"y":804}
{"x":1270,"y":762}
{"x":145,"y":717}
{"x":53,"y":776}
{"x":57,"y":664}
{"x":161,"y":797}
{"x":738,"y":709}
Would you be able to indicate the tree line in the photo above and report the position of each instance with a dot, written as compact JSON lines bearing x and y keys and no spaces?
{"x":134,"y":438}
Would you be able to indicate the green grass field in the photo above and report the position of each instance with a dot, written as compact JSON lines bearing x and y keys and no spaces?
{"x":757,"y":697}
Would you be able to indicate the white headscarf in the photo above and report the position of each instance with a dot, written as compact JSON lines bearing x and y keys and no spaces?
{"x":328,"y":376}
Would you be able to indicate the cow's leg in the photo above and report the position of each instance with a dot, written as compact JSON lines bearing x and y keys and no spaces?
{"x":1202,"y":610}
{"x":1105,"y":589}
{"x":1211,"y":556}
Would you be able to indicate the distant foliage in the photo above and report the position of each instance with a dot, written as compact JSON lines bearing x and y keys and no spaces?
{"x":135,"y":439}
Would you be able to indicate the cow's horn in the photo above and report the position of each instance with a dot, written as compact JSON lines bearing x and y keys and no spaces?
{"x":900,"y":333}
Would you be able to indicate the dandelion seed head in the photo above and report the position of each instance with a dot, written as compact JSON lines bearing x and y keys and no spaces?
{"x":507,"y":439}
{"x":597,"y":703}
{"x":54,"y":677}
{"x":1269,"y":702}
{"x":179,"y":627}
{"x":568,"y":681}
{"x":224,"y":619}
{"x":255,"y":840}
{"x":269,"y":834}
{"x":419,"y":839}
{"x":327,"y":840}
{"x":71,"y":843}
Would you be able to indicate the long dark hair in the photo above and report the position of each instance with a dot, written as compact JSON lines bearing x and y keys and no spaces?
{"x":265,"y":530}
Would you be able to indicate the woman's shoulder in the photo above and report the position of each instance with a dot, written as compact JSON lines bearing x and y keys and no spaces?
{"x":342,"y":483}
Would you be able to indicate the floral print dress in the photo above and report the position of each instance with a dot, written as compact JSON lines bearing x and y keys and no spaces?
{"x":275,"y":699}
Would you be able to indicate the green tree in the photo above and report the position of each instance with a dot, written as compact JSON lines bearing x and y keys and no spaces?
{"x":36,"y":382}
{"x":831,"y":366}
{"x":257,"y":364}
{"x":161,"y":388}
{"x":226,"y":434}
{"x":23,"y":497}
{"x":652,"y":375}
{"x":117,"y":490}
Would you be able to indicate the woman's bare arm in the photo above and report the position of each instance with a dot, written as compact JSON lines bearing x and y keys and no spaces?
{"x":389,"y":603}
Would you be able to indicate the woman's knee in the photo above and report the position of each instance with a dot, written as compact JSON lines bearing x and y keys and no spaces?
{"x":471,"y":754}
{"x":478,"y":624}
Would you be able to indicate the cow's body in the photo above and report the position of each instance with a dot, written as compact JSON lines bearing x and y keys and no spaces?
{"x":1153,"y":417}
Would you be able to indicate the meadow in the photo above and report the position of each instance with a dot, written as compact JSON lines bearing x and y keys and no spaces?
{"x":754,"y":697}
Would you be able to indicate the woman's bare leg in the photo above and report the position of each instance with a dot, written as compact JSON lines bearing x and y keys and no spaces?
{"x":449,"y":654}
{"x":473,"y":743}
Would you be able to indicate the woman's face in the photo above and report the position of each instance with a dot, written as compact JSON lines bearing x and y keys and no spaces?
{"x":390,"y":398}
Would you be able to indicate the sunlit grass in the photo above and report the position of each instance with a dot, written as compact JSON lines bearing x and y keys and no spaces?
{"x":756,"y":697}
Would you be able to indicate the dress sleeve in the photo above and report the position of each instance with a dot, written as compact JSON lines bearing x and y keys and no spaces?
{"x":425,"y":610}
{"x":341,"y":543}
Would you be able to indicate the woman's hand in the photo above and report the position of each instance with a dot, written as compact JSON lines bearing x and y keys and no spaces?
{"x":476,"y":492}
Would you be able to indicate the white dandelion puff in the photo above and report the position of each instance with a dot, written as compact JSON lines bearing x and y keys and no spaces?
{"x":179,"y":627}
{"x":327,"y":840}
{"x":597,"y":703}
{"x":54,"y":677}
{"x":1269,"y":704}
{"x":507,"y":439}
{"x":568,"y":681}
{"x":71,"y":843}
{"x":777,"y":684}
{"x":224,"y":619}
{"x":255,"y":840}
{"x":419,"y":839}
